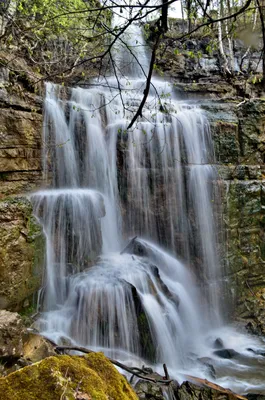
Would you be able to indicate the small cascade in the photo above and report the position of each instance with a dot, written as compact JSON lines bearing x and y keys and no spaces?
{"x":158,"y":299}
{"x":71,"y":223}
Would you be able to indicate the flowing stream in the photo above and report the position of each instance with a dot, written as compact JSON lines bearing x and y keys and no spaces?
{"x":157,"y":301}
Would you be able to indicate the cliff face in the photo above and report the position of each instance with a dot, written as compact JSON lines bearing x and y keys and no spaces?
{"x":238,"y":132}
{"x":21,"y":240}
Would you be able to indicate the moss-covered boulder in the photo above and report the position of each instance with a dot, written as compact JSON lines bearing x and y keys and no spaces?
{"x":92,"y":377}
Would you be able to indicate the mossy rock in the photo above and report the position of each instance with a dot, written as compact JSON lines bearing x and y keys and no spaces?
{"x":22,"y":248}
{"x":92,"y":377}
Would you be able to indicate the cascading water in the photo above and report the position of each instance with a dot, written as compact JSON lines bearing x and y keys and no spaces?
{"x":109,"y":184}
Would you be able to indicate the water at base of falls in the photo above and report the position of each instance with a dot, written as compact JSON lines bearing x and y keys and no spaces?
{"x":158,"y":301}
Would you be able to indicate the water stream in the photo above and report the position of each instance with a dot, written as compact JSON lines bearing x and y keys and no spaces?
{"x":159,"y":300}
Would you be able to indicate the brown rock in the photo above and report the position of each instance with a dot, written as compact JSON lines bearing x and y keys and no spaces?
{"x":11,"y":329}
{"x":36,"y":347}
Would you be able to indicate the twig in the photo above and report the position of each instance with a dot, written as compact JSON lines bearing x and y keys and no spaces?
{"x":148,"y":83}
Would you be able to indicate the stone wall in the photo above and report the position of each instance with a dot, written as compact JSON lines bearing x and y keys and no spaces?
{"x":239,"y":137}
{"x":21,"y":239}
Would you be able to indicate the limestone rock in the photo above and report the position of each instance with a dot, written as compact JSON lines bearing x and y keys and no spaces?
{"x":11,"y":329}
{"x":36,"y":347}
{"x":202,"y":389}
{"x":67,"y":377}
{"x":21,"y":252}
{"x":194,"y":388}
{"x":20,"y":150}
{"x":149,"y":390}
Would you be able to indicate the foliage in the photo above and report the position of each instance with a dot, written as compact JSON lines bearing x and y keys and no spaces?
{"x":65,"y":18}
{"x":55,"y":34}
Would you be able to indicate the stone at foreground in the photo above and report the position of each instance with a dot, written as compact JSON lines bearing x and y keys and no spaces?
{"x":193,"y":389}
{"x":202,"y":389}
{"x":36,"y":347}
{"x":11,"y":328}
{"x":67,"y":378}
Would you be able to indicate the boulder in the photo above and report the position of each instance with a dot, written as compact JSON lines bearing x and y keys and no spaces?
{"x":67,"y":377}
{"x":36,"y":347}
{"x":197,"y":388}
{"x":226,"y":353}
{"x":11,"y":329}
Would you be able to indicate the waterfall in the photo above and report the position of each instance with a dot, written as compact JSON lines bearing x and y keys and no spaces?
{"x":156,"y":300}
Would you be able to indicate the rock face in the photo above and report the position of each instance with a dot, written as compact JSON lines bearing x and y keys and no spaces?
{"x":21,"y":252}
{"x":11,"y":328}
{"x":65,"y":377}
{"x":21,"y":240}
{"x":238,"y":132}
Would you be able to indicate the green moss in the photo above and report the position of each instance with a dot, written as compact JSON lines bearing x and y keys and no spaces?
{"x":61,"y":377}
{"x":22,"y":246}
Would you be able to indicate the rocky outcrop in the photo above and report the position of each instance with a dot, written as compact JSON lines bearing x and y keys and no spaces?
{"x":238,"y":132}
{"x":192,"y":389}
{"x":21,"y":241}
{"x":20,"y":135}
{"x":36,"y":347}
{"x":11,"y":329}
{"x":65,"y":377}
{"x":21,"y":252}
{"x":194,"y":65}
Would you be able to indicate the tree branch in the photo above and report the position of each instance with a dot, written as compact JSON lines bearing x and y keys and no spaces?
{"x":148,"y":82}
{"x":133,"y":371}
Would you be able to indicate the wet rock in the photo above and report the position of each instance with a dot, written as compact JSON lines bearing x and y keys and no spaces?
{"x":208,"y":362}
{"x":218,"y":344}
{"x":257,"y":352}
{"x":136,"y":247}
{"x":254,"y":396}
{"x":155,"y":390}
{"x":201,"y":389}
{"x":148,"y":390}
{"x":147,"y":345}
{"x":55,"y":378}
{"x":194,"y":389}
{"x":226,"y":353}
{"x":11,"y":329}
{"x":163,"y":287}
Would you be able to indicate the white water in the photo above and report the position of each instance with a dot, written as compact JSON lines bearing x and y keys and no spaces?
{"x":109,"y":184}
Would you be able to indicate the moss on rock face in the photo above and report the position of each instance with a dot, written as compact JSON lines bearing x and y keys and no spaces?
{"x":21,"y":252}
{"x":92,"y":377}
